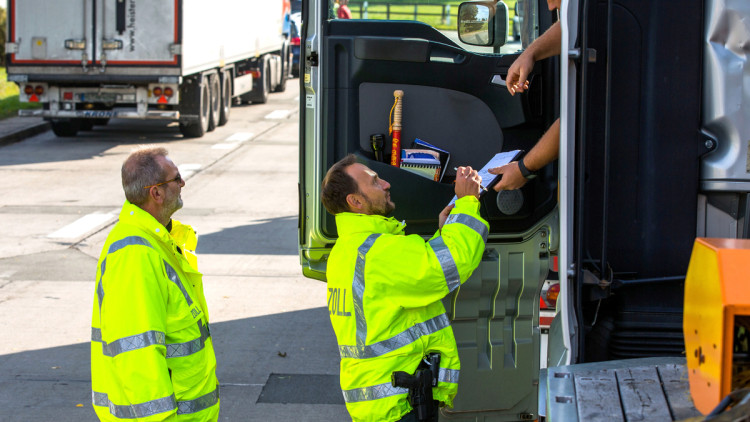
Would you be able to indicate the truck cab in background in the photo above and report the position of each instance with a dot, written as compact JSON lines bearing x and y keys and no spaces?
{"x":653,"y":154}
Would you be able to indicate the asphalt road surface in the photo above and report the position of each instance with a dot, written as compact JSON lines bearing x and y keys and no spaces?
{"x":276,"y":352}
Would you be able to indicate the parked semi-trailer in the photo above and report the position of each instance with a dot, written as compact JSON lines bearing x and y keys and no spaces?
{"x":87,"y":61}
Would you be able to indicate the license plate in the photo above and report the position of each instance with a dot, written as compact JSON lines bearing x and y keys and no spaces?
{"x":98,"y":98}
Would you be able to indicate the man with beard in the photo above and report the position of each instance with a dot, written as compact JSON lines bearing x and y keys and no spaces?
{"x":385,"y":290}
{"x":152,"y":355}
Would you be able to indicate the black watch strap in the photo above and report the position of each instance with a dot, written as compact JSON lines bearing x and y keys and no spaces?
{"x":526,"y":173}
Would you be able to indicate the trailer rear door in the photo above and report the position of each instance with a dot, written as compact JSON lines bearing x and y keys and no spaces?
{"x":46,"y":32}
{"x":88,"y":32}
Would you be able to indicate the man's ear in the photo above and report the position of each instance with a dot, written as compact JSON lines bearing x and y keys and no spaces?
{"x":354,"y":201}
{"x":156,"y":195}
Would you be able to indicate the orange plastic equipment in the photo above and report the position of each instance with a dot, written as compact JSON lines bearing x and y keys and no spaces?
{"x":717,"y":289}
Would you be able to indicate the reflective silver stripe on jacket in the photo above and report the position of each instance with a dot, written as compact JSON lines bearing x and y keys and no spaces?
{"x":114,"y":247}
{"x":470,"y":222}
{"x":448,"y":375}
{"x":176,"y":350}
{"x":150,"y":338}
{"x":447,"y":263}
{"x":172,"y":274}
{"x":126,"y":344}
{"x":372,"y":393}
{"x":358,"y":288}
{"x":201,"y":403}
{"x":138,"y":410}
{"x":408,"y":336}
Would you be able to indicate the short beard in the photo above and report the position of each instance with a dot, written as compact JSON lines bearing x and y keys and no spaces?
{"x":171,"y":208}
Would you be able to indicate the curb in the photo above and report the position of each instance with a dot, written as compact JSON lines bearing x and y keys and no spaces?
{"x":24,"y":133}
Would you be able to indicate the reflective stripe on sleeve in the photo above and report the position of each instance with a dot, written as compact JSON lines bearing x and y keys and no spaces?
{"x":373,"y":392}
{"x":138,"y":410}
{"x":408,"y":336}
{"x":172,"y":274}
{"x":448,"y":375}
{"x":447,"y":263}
{"x":201,"y":403}
{"x":358,"y":288}
{"x":127,"y":344}
{"x":175,"y":350}
{"x":470,"y":222}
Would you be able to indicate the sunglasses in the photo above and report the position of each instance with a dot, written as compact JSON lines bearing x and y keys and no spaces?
{"x":177,"y":179}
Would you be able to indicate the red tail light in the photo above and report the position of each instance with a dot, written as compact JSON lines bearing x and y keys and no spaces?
{"x":157,"y":91}
{"x":39,"y":90}
{"x":28,"y":89}
{"x":168,"y":91}
{"x":255,"y":73}
{"x":295,"y":40}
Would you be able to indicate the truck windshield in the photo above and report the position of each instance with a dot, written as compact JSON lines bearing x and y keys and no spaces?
{"x":523,"y":27}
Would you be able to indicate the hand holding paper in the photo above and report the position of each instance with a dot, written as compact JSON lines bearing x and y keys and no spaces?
{"x":467,"y":182}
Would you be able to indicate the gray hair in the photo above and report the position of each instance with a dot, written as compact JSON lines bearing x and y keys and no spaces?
{"x":142,"y":169}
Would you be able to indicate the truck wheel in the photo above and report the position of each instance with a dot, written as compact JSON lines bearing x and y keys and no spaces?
{"x":65,"y":128}
{"x":196,"y":129}
{"x":86,"y":124}
{"x":226,"y":98}
{"x":259,"y":94}
{"x":214,"y":91}
{"x":285,"y":64}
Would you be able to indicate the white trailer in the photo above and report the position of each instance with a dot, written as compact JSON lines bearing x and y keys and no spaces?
{"x":87,"y":61}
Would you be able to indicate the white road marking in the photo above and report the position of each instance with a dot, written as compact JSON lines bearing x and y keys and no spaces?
{"x":278,"y":114}
{"x":224,"y":146}
{"x":83,"y":225}
{"x":240,"y":137}
{"x":187,"y":170}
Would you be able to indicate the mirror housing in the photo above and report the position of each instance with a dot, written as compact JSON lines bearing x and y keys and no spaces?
{"x":483,"y":23}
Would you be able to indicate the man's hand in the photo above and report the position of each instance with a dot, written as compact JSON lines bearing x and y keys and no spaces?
{"x":467,"y":182}
{"x":512,"y":177}
{"x":444,"y":215}
{"x":516,"y":80}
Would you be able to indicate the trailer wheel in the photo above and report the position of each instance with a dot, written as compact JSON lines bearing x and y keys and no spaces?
{"x":198,"y":128}
{"x":285,"y":65}
{"x":86,"y":124}
{"x":259,"y":94}
{"x":65,"y":128}
{"x":214,"y":92}
{"x":226,"y":98}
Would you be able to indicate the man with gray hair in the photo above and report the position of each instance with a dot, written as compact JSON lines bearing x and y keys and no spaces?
{"x":152,"y":355}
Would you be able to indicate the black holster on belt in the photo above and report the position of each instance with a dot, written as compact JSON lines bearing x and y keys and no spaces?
{"x":420,"y":386}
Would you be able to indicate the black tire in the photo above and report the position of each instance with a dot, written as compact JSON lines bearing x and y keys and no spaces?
{"x":214,"y":92}
{"x":286,"y":62}
{"x":86,"y":124}
{"x":226,"y":98}
{"x":196,"y":129}
{"x":65,"y":128}
{"x":259,"y":94}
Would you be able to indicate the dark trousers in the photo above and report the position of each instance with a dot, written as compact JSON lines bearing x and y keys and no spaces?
{"x":412,"y":416}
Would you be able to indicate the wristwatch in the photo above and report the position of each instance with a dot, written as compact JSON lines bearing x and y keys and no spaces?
{"x":526,"y":173}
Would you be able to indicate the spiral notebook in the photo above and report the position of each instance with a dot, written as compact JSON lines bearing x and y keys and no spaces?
{"x":423,"y":162}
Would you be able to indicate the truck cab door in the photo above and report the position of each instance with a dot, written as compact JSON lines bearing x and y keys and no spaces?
{"x":454,"y":98}
{"x":50,"y":33}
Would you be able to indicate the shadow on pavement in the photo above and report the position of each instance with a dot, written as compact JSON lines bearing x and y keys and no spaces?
{"x":55,"y":383}
{"x":88,"y":144}
{"x":275,"y":236}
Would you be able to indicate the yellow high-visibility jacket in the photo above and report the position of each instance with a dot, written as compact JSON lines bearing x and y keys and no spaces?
{"x":384,"y":300}
{"x":152,"y":355}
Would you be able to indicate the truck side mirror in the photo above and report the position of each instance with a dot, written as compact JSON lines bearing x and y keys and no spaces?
{"x":483,"y":23}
